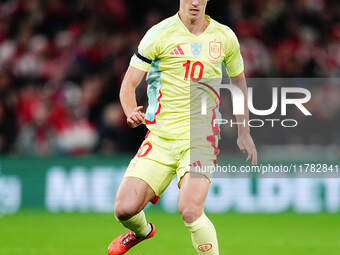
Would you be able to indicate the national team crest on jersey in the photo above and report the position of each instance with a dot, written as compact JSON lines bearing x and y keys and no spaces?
{"x":196,"y":49}
{"x":215,"y":49}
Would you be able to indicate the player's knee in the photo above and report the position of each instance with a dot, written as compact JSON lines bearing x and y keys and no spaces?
{"x":189,"y":213}
{"x":124,"y":211}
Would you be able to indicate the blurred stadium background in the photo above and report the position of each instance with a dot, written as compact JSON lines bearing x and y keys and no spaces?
{"x":64,"y":143}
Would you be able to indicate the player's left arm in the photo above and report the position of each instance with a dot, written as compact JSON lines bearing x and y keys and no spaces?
{"x":235,"y":69}
{"x":244,"y":140}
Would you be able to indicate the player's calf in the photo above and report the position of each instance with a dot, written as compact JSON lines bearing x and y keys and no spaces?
{"x":190,"y":204}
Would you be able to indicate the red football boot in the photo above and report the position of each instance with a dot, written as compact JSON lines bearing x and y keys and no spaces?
{"x":126,"y":241}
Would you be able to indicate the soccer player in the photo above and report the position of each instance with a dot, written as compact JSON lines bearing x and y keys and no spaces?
{"x":185,"y":47}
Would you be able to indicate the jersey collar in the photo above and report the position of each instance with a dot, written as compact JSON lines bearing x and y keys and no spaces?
{"x":186,"y":29}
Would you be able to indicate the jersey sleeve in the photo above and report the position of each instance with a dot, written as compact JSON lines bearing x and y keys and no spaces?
{"x":233,"y":59}
{"x":146,"y":53}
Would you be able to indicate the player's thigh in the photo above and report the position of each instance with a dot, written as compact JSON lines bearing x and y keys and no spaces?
{"x":193,"y":192}
{"x":193,"y":180}
{"x":132,"y":196}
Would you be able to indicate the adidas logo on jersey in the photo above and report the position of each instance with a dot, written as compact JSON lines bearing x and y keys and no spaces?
{"x":177,"y":51}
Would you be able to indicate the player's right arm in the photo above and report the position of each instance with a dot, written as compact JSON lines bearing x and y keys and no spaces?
{"x":139,"y":65}
{"x":127,"y":95}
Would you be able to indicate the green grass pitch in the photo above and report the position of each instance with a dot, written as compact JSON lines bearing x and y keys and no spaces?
{"x":41,"y":233}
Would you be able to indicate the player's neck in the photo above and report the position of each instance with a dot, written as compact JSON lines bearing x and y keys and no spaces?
{"x":195,"y":26}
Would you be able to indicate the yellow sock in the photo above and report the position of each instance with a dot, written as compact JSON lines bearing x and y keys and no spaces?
{"x":203,"y":236}
{"x":137,"y":224}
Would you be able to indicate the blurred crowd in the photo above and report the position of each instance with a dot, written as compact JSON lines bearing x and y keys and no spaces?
{"x":62,"y":63}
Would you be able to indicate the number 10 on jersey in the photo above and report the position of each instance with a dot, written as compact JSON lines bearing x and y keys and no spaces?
{"x":193,"y":67}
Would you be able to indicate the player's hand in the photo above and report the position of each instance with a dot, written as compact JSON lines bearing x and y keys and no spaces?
{"x":136,"y":117}
{"x":246,"y":145}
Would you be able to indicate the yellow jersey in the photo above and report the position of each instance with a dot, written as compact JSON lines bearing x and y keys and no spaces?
{"x":174,"y":58}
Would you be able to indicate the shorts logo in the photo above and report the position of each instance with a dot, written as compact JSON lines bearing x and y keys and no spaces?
{"x":205,"y":247}
{"x":144,"y":150}
{"x":196,"y":164}
{"x":215,"y":49}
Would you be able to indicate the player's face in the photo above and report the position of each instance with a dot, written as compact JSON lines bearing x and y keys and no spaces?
{"x":193,"y":9}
